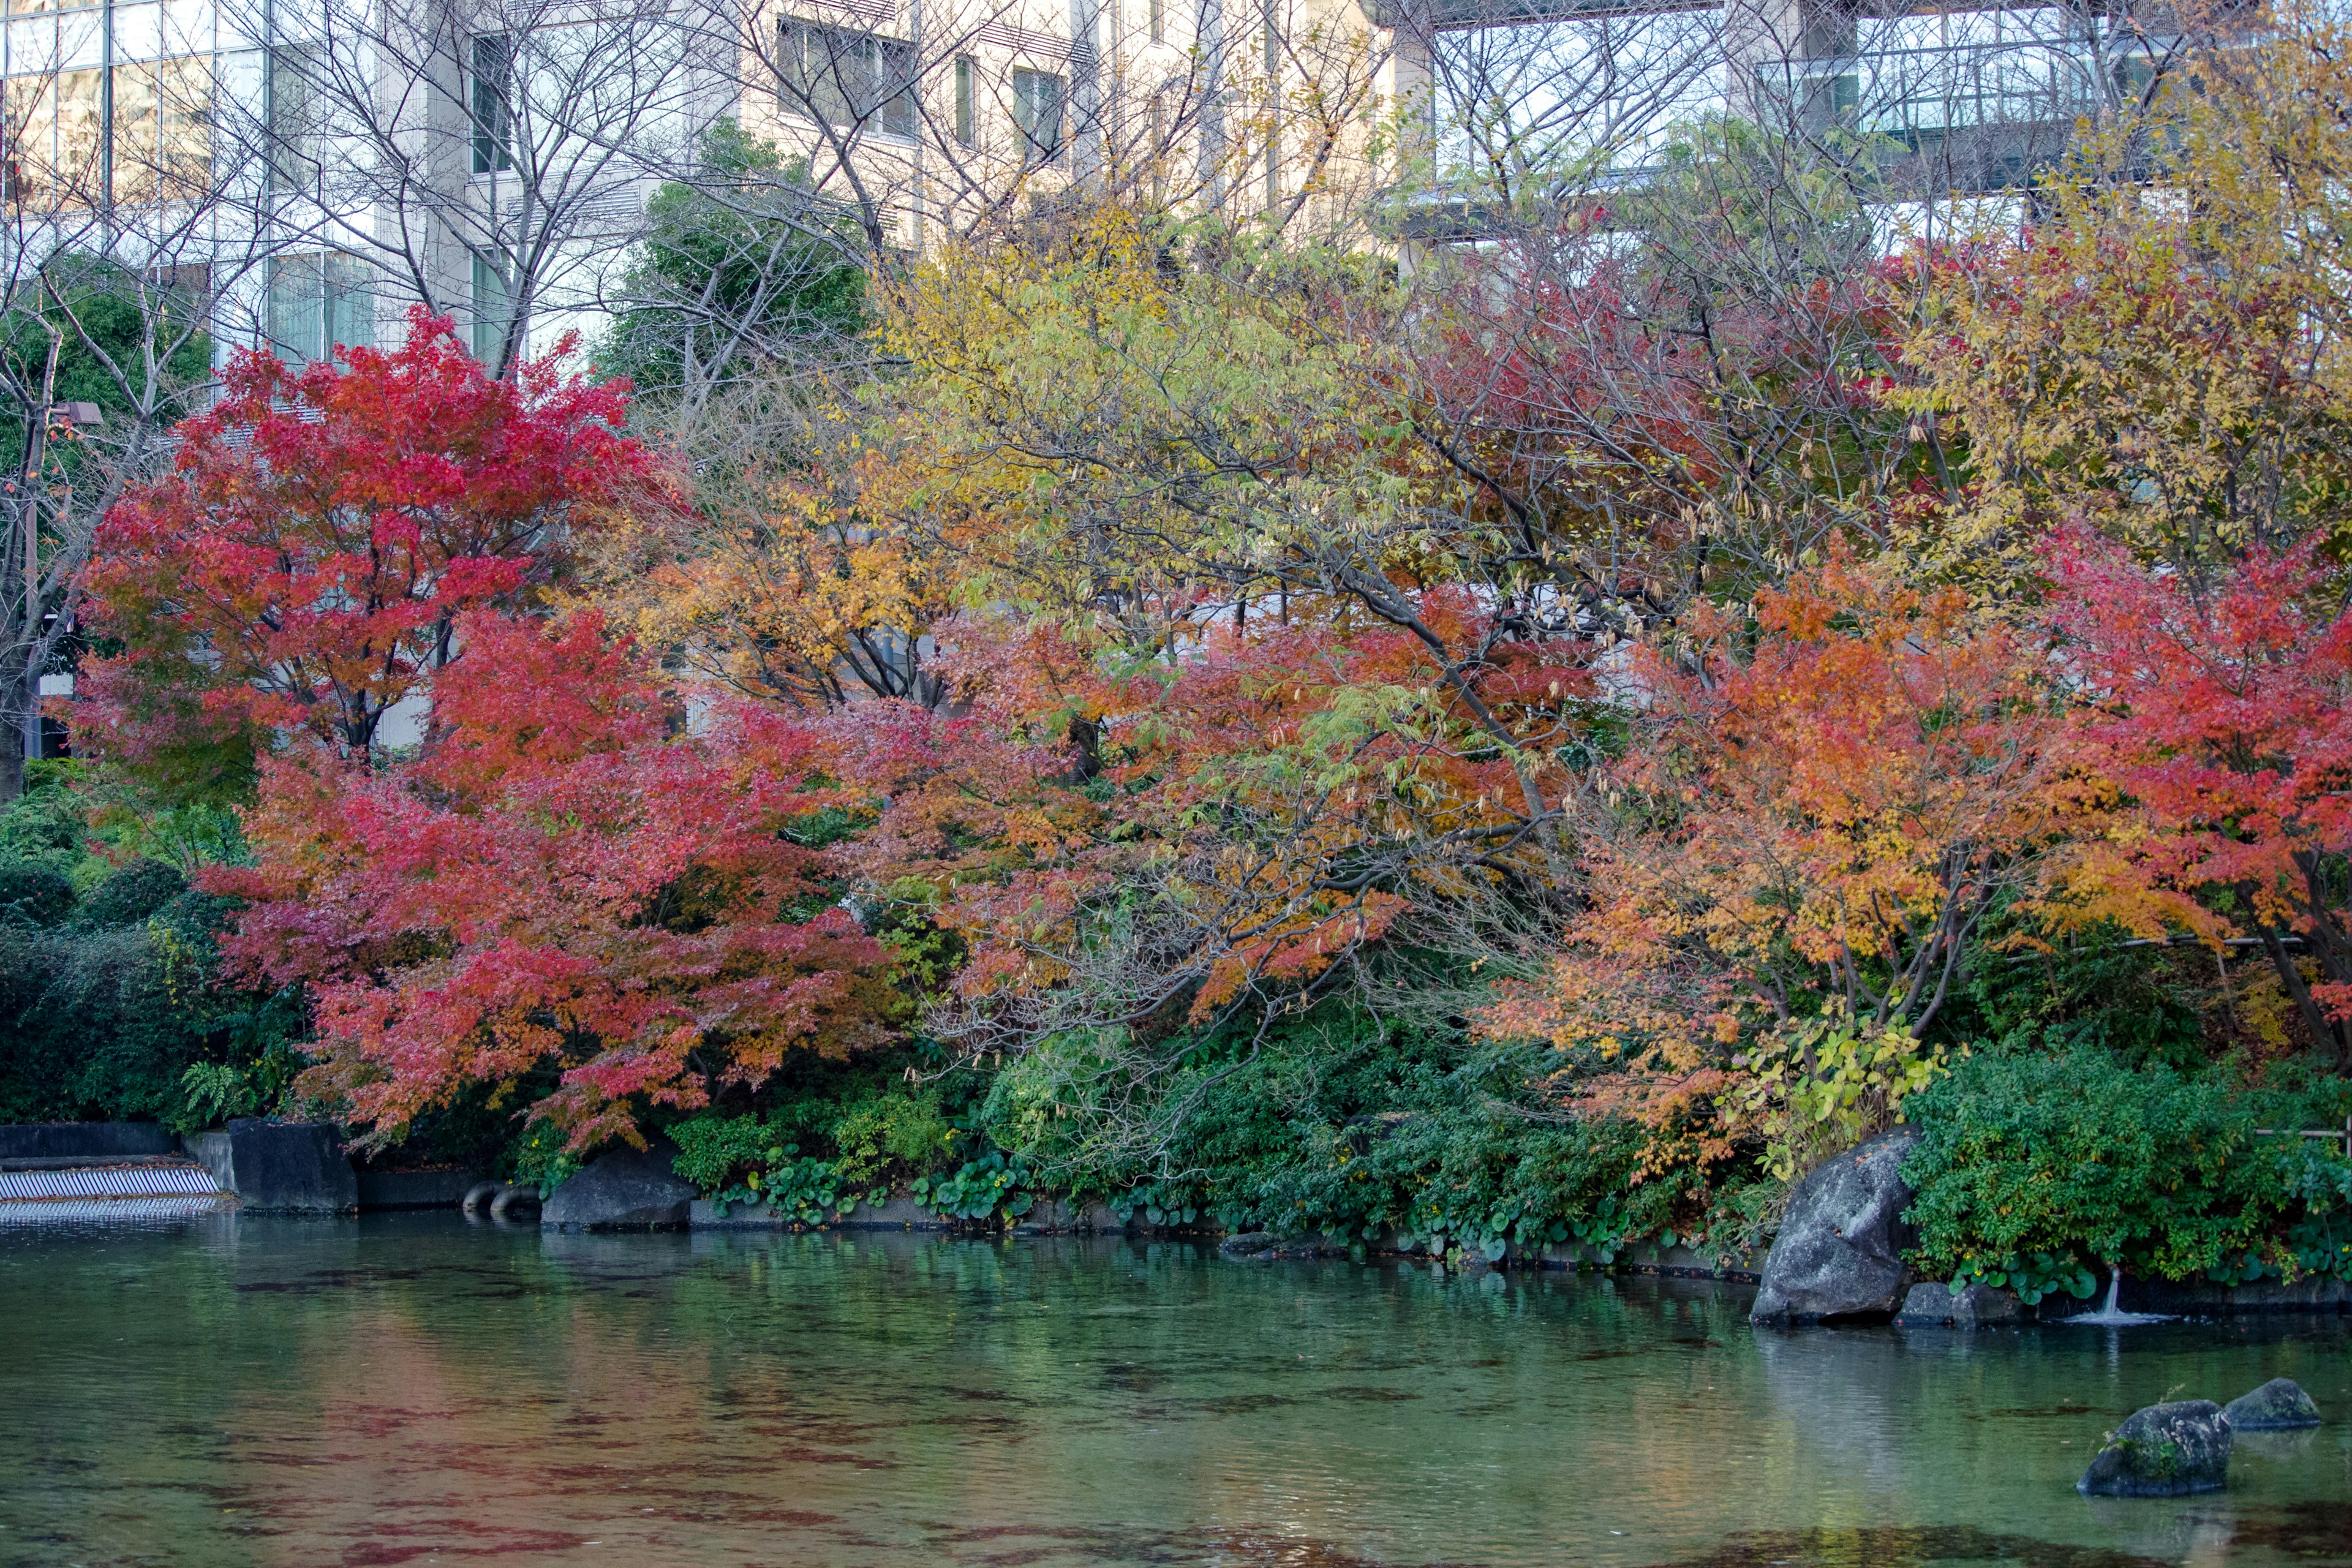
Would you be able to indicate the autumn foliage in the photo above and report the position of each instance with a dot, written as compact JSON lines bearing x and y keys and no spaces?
{"x":564,"y":897}
{"x":2221,"y":713}
{"x":1819,"y":818}
{"x":1686,"y":648}
{"x":306,"y":560}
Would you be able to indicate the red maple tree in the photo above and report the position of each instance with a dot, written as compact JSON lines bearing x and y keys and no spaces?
{"x":304,"y":563}
{"x":569,"y":897}
{"x":2219,"y":711}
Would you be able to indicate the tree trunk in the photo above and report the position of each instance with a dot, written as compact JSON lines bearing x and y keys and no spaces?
{"x":14,"y":699}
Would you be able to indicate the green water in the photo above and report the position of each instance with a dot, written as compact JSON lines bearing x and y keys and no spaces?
{"x":416,"y":1390}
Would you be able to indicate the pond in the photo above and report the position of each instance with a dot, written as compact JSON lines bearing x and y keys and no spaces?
{"x":415,"y":1389}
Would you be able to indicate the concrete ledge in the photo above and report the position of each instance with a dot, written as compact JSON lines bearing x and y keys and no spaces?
{"x":898,"y":1214}
{"x":2200,"y":1298}
{"x":93,"y":1141}
{"x":413,"y":1189}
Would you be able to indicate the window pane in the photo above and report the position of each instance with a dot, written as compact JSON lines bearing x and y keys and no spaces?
{"x":133,"y":144}
{"x":294,"y":324}
{"x":293,"y":126}
{"x":493,"y":126}
{"x":898,"y":63}
{"x":490,"y":309}
{"x":1037,"y":106}
{"x":79,"y":124}
{"x":792,"y":67}
{"x":835,"y":61}
{"x":350,"y":302}
{"x":967,"y":117}
{"x":184,"y":112}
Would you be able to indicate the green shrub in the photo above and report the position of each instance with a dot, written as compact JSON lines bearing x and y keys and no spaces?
{"x":2031,"y":1167}
{"x":714,"y":1151}
{"x":130,"y":895}
{"x":1344,"y":1125}
{"x":109,"y":1023}
{"x":34,"y":893}
{"x":884,"y":1137}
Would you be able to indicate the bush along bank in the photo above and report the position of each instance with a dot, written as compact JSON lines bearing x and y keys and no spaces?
{"x":1334,"y":1132}
{"x":2036,"y":1172}
{"x":2045,"y":1174}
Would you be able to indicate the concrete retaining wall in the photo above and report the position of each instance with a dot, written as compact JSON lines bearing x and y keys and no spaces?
{"x":277,"y":1167}
{"x":414,"y":1189}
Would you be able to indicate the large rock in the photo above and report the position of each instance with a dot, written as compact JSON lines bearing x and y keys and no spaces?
{"x":2278,"y":1405}
{"x":1839,"y":1251}
{"x":2165,"y":1450}
{"x":1935,"y":1306}
{"x":280,"y":1167}
{"x":628,"y":1190}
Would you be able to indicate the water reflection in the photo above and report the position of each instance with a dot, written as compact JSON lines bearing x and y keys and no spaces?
{"x":408,"y":1389}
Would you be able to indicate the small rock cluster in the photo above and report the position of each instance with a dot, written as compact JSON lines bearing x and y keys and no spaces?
{"x":2183,"y":1446}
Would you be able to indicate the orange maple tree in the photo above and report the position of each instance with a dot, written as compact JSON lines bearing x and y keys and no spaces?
{"x":1816,"y":810}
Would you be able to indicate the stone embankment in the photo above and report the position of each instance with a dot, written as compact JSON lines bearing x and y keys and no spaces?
{"x":129,"y":1169}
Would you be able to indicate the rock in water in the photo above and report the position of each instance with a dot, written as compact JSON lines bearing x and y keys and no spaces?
{"x":623,"y":1191}
{"x":1839,"y":1251}
{"x":2165,"y":1450}
{"x":1248,"y":1244}
{"x":1935,"y":1306}
{"x":2278,"y":1405}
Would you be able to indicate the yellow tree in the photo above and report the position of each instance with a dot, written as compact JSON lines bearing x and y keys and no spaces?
{"x":2162,"y":351}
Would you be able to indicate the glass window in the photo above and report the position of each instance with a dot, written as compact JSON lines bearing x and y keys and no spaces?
{"x":80,"y":120}
{"x":184,"y":116}
{"x":493,"y":82}
{"x":318,"y":303}
{"x":293,"y":119}
{"x":1159,"y":21}
{"x":1038,"y":97}
{"x":131,"y":137}
{"x":847,"y":79}
{"x":350,"y":302}
{"x":967,"y":125}
{"x":297,"y":322}
{"x":491,"y":307}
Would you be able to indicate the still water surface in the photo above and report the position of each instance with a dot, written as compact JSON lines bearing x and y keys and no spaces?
{"x":407,"y":1389}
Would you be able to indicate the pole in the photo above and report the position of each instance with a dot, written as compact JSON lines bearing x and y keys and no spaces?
{"x":29,"y":511}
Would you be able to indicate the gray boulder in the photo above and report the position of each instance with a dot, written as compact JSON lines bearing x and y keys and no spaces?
{"x":280,"y":1167}
{"x":2278,"y":1405}
{"x":2165,"y":1450}
{"x":628,"y":1190}
{"x":1248,"y":1244}
{"x":1839,"y":1251}
{"x":1934,"y":1306}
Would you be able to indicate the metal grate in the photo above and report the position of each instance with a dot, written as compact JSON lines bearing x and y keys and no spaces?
{"x":109,"y":1182}
{"x":67,"y":1210}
